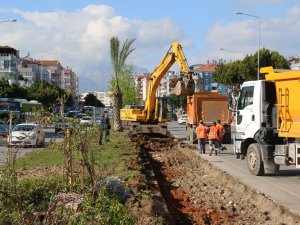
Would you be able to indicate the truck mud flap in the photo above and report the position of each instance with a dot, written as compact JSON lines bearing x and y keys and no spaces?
{"x":298,"y":156}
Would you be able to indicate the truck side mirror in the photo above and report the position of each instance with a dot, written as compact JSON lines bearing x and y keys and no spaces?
{"x":231,"y":102}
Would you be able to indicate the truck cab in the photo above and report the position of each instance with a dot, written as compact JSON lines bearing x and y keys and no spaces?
{"x":255,"y":115}
{"x":268,"y":121}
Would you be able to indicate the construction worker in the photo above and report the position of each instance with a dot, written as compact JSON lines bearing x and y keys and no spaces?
{"x":220,"y":134}
{"x":201,"y":136}
{"x":213,"y":139}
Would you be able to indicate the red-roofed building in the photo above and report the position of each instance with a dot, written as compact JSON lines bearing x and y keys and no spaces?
{"x":203,"y":79}
{"x":52,"y":71}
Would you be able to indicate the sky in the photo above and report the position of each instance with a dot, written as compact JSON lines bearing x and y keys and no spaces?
{"x":78,"y":33}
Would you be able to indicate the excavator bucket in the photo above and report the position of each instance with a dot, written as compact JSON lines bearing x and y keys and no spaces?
{"x":184,"y":88}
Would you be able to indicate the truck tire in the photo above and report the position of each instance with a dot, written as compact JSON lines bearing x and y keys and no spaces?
{"x":254,"y":160}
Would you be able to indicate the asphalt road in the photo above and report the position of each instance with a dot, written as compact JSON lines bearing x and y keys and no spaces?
{"x":282,"y":187}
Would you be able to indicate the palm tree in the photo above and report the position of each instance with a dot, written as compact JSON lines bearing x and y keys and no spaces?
{"x":118,"y":59}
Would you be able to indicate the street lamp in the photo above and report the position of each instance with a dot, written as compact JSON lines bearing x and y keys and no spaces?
{"x":4,"y":21}
{"x":223,"y":49}
{"x":227,"y":50}
{"x":257,"y":17}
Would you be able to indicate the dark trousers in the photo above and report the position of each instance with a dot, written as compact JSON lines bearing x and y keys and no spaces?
{"x":201,"y":145}
{"x":106,"y":134}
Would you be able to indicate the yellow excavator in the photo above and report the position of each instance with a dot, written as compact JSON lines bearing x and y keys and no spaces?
{"x":152,"y":118}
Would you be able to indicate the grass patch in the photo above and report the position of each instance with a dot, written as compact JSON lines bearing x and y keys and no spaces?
{"x":41,"y":158}
{"x":113,"y":156}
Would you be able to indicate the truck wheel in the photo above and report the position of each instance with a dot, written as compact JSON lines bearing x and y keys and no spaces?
{"x":254,"y":160}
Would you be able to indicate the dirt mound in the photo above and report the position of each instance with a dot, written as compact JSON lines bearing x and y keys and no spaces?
{"x":198,"y":193}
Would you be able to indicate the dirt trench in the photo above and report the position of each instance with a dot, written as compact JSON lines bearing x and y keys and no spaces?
{"x":196,"y":192}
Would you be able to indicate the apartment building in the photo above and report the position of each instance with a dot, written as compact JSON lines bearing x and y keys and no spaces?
{"x":9,"y":60}
{"x":141,"y":82}
{"x":31,"y":70}
{"x":69,"y":81}
{"x":164,"y":88}
{"x":202,"y":75}
{"x":50,"y":71}
{"x":27,"y":76}
{"x":143,"y":87}
{"x":294,"y":63}
{"x":203,"y":79}
{"x":104,"y":97}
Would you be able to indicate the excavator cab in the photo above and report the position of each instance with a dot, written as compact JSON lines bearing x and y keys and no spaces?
{"x":166,"y":109}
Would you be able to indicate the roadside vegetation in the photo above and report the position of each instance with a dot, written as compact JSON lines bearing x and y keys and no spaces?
{"x":233,"y":74}
{"x":77,"y":181}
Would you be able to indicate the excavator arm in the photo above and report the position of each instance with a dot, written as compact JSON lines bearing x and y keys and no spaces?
{"x":182,"y":88}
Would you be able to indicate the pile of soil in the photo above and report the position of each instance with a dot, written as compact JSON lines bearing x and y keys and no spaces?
{"x":196,"y":192}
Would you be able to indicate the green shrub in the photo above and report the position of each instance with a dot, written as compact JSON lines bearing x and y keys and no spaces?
{"x":115,"y":188}
{"x":104,"y":210}
{"x":30,"y":195}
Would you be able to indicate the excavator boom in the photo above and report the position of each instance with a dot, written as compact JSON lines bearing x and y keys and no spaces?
{"x":183,"y":87}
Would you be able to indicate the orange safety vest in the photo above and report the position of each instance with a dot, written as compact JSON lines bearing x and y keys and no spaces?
{"x":213,"y":132}
{"x":201,"y":131}
{"x":220,"y":129}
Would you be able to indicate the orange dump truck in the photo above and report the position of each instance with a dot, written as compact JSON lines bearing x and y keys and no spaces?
{"x":268,"y":121}
{"x":209,"y":107}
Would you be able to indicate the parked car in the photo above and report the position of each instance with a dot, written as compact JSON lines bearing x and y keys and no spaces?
{"x":80,"y":115}
{"x":60,"y":125}
{"x":27,"y":134}
{"x":87,"y":120}
{"x":72,"y":113}
{"x":182,"y":119}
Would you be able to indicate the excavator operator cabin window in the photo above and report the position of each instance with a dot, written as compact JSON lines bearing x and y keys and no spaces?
{"x":246,"y":97}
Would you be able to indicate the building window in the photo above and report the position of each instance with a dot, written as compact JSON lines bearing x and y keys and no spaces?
{"x":6,"y":64}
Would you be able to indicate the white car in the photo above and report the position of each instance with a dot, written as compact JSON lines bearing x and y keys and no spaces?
{"x":86,"y":120}
{"x":182,"y":119}
{"x":26,"y":134}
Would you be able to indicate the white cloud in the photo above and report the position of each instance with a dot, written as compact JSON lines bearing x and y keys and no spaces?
{"x":241,"y":37}
{"x":81,"y":39}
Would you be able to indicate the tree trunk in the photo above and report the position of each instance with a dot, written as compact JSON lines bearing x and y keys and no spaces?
{"x":117,"y":95}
